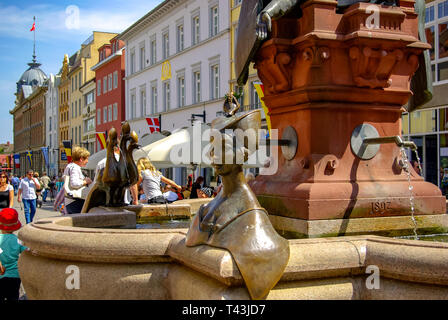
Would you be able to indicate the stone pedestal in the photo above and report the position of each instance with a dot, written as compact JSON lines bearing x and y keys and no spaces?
{"x":325,"y":74}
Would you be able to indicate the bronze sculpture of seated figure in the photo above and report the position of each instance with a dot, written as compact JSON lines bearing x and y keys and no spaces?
{"x":234,"y":220}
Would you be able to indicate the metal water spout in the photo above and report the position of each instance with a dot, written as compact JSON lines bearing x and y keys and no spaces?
{"x":391,"y":139}
{"x":365,"y":141}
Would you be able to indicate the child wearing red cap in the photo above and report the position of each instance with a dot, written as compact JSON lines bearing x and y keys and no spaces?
{"x":10,"y":249}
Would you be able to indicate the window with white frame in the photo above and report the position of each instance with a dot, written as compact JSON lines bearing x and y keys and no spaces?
{"x":110,"y":112}
{"x":165,"y":45}
{"x":197,"y":86}
{"x":166,"y":96}
{"x":436,"y":30}
{"x":76,"y":135}
{"x":79,"y":134}
{"x":76,"y":108}
{"x":109,"y":83}
{"x":154,"y":98}
{"x":99,"y":87}
{"x":142,"y":101}
{"x":90,"y":125}
{"x":180,"y":37}
{"x":98,"y":117}
{"x":214,"y":81}
{"x":181,"y":91}
{"x":79,"y":79}
{"x":195,"y":30}
{"x":105,"y":84}
{"x":89,"y":97}
{"x":214,"y":21}
{"x":132,"y":61}
{"x":115,"y":111}
{"x":142,"y":56}
{"x":79,"y":106}
{"x":133,"y":104}
{"x":105,"y":114}
{"x":153,"y":48}
{"x":76,"y":82}
{"x":254,"y":99}
{"x":115,"y":79}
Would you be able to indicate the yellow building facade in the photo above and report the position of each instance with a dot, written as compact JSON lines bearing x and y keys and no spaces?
{"x":79,"y":74}
{"x":64,"y":119}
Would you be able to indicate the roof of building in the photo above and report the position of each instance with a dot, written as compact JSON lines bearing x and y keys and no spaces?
{"x":33,"y":76}
{"x":149,"y":18}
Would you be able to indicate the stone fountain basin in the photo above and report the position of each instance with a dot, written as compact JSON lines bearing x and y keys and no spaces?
{"x":119,"y":263}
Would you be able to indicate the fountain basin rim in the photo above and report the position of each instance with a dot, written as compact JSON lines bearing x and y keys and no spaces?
{"x":313,"y":258}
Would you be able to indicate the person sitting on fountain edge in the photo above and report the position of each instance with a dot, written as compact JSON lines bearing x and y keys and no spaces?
{"x":150,"y":178}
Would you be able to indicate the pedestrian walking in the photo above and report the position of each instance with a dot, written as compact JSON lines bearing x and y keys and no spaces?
{"x":6,"y":192}
{"x":10,"y":250}
{"x":38,"y":191}
{"x":27,"y":191}
{"x":15,"y":181}
{"x":45,"y":186}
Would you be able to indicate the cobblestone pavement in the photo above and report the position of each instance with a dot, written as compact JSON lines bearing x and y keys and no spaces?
{"x":44,"y":212}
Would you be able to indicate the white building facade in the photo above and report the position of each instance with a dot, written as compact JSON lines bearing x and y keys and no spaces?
{"x":177,"y":64}
{"x":88,"y":91}
{"x":51,"y":120}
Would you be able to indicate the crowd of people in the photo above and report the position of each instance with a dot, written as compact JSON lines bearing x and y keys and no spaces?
{"x":32,"y":190}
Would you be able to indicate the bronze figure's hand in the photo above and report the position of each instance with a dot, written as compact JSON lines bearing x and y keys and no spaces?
{"x":264,"y":25}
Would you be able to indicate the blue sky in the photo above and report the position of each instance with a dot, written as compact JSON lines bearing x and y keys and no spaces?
{"x":56,"y":35}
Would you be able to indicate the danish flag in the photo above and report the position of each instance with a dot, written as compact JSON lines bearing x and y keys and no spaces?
{"x":154,"y":124}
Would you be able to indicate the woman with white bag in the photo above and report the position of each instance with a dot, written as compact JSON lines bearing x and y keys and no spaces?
{"x":75,"y":181}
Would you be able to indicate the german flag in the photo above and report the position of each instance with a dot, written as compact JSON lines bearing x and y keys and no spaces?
{"x":68,"y":149}
{"x":101,"y":136}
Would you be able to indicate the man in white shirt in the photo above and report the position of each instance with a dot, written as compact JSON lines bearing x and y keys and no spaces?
{"x":27,"y":191}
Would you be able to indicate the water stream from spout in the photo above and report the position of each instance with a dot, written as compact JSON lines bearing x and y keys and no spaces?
{"x":411,"y":193}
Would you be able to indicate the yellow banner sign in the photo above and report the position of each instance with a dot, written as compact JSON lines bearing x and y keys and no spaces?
{"x":166,"y":71}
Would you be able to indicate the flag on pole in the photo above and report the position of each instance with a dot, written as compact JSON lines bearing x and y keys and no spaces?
{"x":68,"y":149}
{"x":33,"y":27}
{"x":45,"y":153}
{"x":260,"y":91}
{"x":101,"y":136}
{"x":29,"y":156}
{"x":154,"y":124}
{"x":17,"y":160}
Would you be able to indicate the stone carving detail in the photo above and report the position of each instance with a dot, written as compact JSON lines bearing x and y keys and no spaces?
{"x":413,"y":62}
{"x":272,"y":67}
{"x":373,"y":67}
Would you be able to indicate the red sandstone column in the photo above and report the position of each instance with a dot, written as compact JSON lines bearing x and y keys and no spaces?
{"x":325,"y":74}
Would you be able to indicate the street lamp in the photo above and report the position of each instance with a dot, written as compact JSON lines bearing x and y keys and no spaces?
{"x":193,"y":117}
